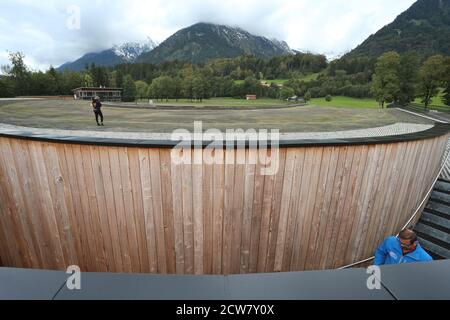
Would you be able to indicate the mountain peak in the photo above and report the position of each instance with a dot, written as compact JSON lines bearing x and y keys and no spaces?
{"x":125,"y":53}
{"x":129,"y":51}
{"x":204,"y":41}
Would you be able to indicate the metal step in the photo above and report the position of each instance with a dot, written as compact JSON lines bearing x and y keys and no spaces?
{"x":442,"y":186}
{"x":437,"y":220}
{"x":439,"y":208}
{"x":434,"y":249}
{"x":441,"y":197}
{"x":432,"y":232}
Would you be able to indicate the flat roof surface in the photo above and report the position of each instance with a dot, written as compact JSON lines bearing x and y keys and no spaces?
{"x":78,"y":115}
{"x":430,"y":280}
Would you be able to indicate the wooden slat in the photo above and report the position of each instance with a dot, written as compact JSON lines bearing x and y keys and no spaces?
{"x":158,"y":213}
{"x":146,"y":184}
{"x":250,"y":169}
{"x":138,"y":205}
{"x":122,"y":209}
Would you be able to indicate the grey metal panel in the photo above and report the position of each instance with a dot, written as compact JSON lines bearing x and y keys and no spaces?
{"x":101,"y":286}
{"x":27,"y":284}
{"x":414,"y":281}
{"x":350,"y":284}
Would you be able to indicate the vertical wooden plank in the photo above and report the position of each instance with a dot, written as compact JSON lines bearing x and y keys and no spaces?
{"x":197,"y":185}
{"x":314,"y":169}
{"x":130,"y":216}
{"x":208,"y":197}
{"x":370,"y":180}
{"x":103,"y":217}
{"x":297,"y":202}
{"x":267,"y":210}
{"x":144,"y":163}
{"x":113,"y":224}
{"x":327,"y":172}
{"x":118,"y":186}
{"x":169,"y":230}
{"x":177,"y":197}
{"x":39,"y":179}
{"x":354,"y":180}
{"x":230,"y":163}
{"x":19,"y":250}
{"x":138,"y":205}
{"x":380,"y":194}
{"x":237,"y":210}
{"x":78,"y":214}
{"x":58,"y":191}
{"x":325,"y":212}
{"x":155,"y":173}
{"x":218,"y":203}
{"x":284,"y":211}
{"x":276,"y":208}
{"x":188,"y":223}
{"x":250,"y":169}
{"x":93,"y":215}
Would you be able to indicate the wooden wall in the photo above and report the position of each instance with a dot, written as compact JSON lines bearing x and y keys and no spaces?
{"x":118,"y":209}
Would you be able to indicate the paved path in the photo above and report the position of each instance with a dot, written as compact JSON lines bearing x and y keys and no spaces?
{"x":389,"y":130}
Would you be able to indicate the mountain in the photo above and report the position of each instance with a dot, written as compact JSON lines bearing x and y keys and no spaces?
{"x":204,"y":41}
{"x":125,"y":53}
{"x":424,"y":27}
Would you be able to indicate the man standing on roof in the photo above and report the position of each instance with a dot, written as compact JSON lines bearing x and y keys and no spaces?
{"x":97,"y":107}
{"x":402,"y":249}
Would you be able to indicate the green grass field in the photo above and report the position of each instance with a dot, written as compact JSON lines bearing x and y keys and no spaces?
{"x":436,"y":101}
{"x":228,"y":102}
{"x":346,"y":102}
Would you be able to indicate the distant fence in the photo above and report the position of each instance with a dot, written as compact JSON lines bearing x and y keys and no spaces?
{"x":48,"y":97}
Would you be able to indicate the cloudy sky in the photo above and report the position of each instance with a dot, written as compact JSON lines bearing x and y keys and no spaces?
{"x":50,"y":33}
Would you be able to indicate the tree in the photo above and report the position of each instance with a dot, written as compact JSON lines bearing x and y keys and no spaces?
{"x":18,"y":71}
{"x":408,"y":77}
{"x":141,"y":88}
{"x":87,"y":79}
{"x":199,"y":88}
{"x":446,"y":80}
{"x":431,"y":75}
{"x":129,"y":89}
{"x":386,"y":82}
{"x":307,"y":96}
{"x":328,"y":98}
{"x":286,"y":93}
{"x":6,"y":87}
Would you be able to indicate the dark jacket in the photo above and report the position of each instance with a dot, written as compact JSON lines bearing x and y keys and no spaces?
{"x":97,"y":106}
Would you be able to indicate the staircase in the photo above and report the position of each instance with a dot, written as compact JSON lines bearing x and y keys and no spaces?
{"x":433,"y":229}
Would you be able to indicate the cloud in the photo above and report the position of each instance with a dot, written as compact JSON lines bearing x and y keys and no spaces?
{"x":39,"y":28}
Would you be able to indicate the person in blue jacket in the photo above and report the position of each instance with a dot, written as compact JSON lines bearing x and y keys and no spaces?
{"x":402,"y":249}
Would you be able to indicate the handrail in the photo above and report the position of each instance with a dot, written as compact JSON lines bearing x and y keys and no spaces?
{"x":412,"y":217}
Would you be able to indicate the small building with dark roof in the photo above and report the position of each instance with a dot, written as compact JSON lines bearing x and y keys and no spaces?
{"x":105,"y":94}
